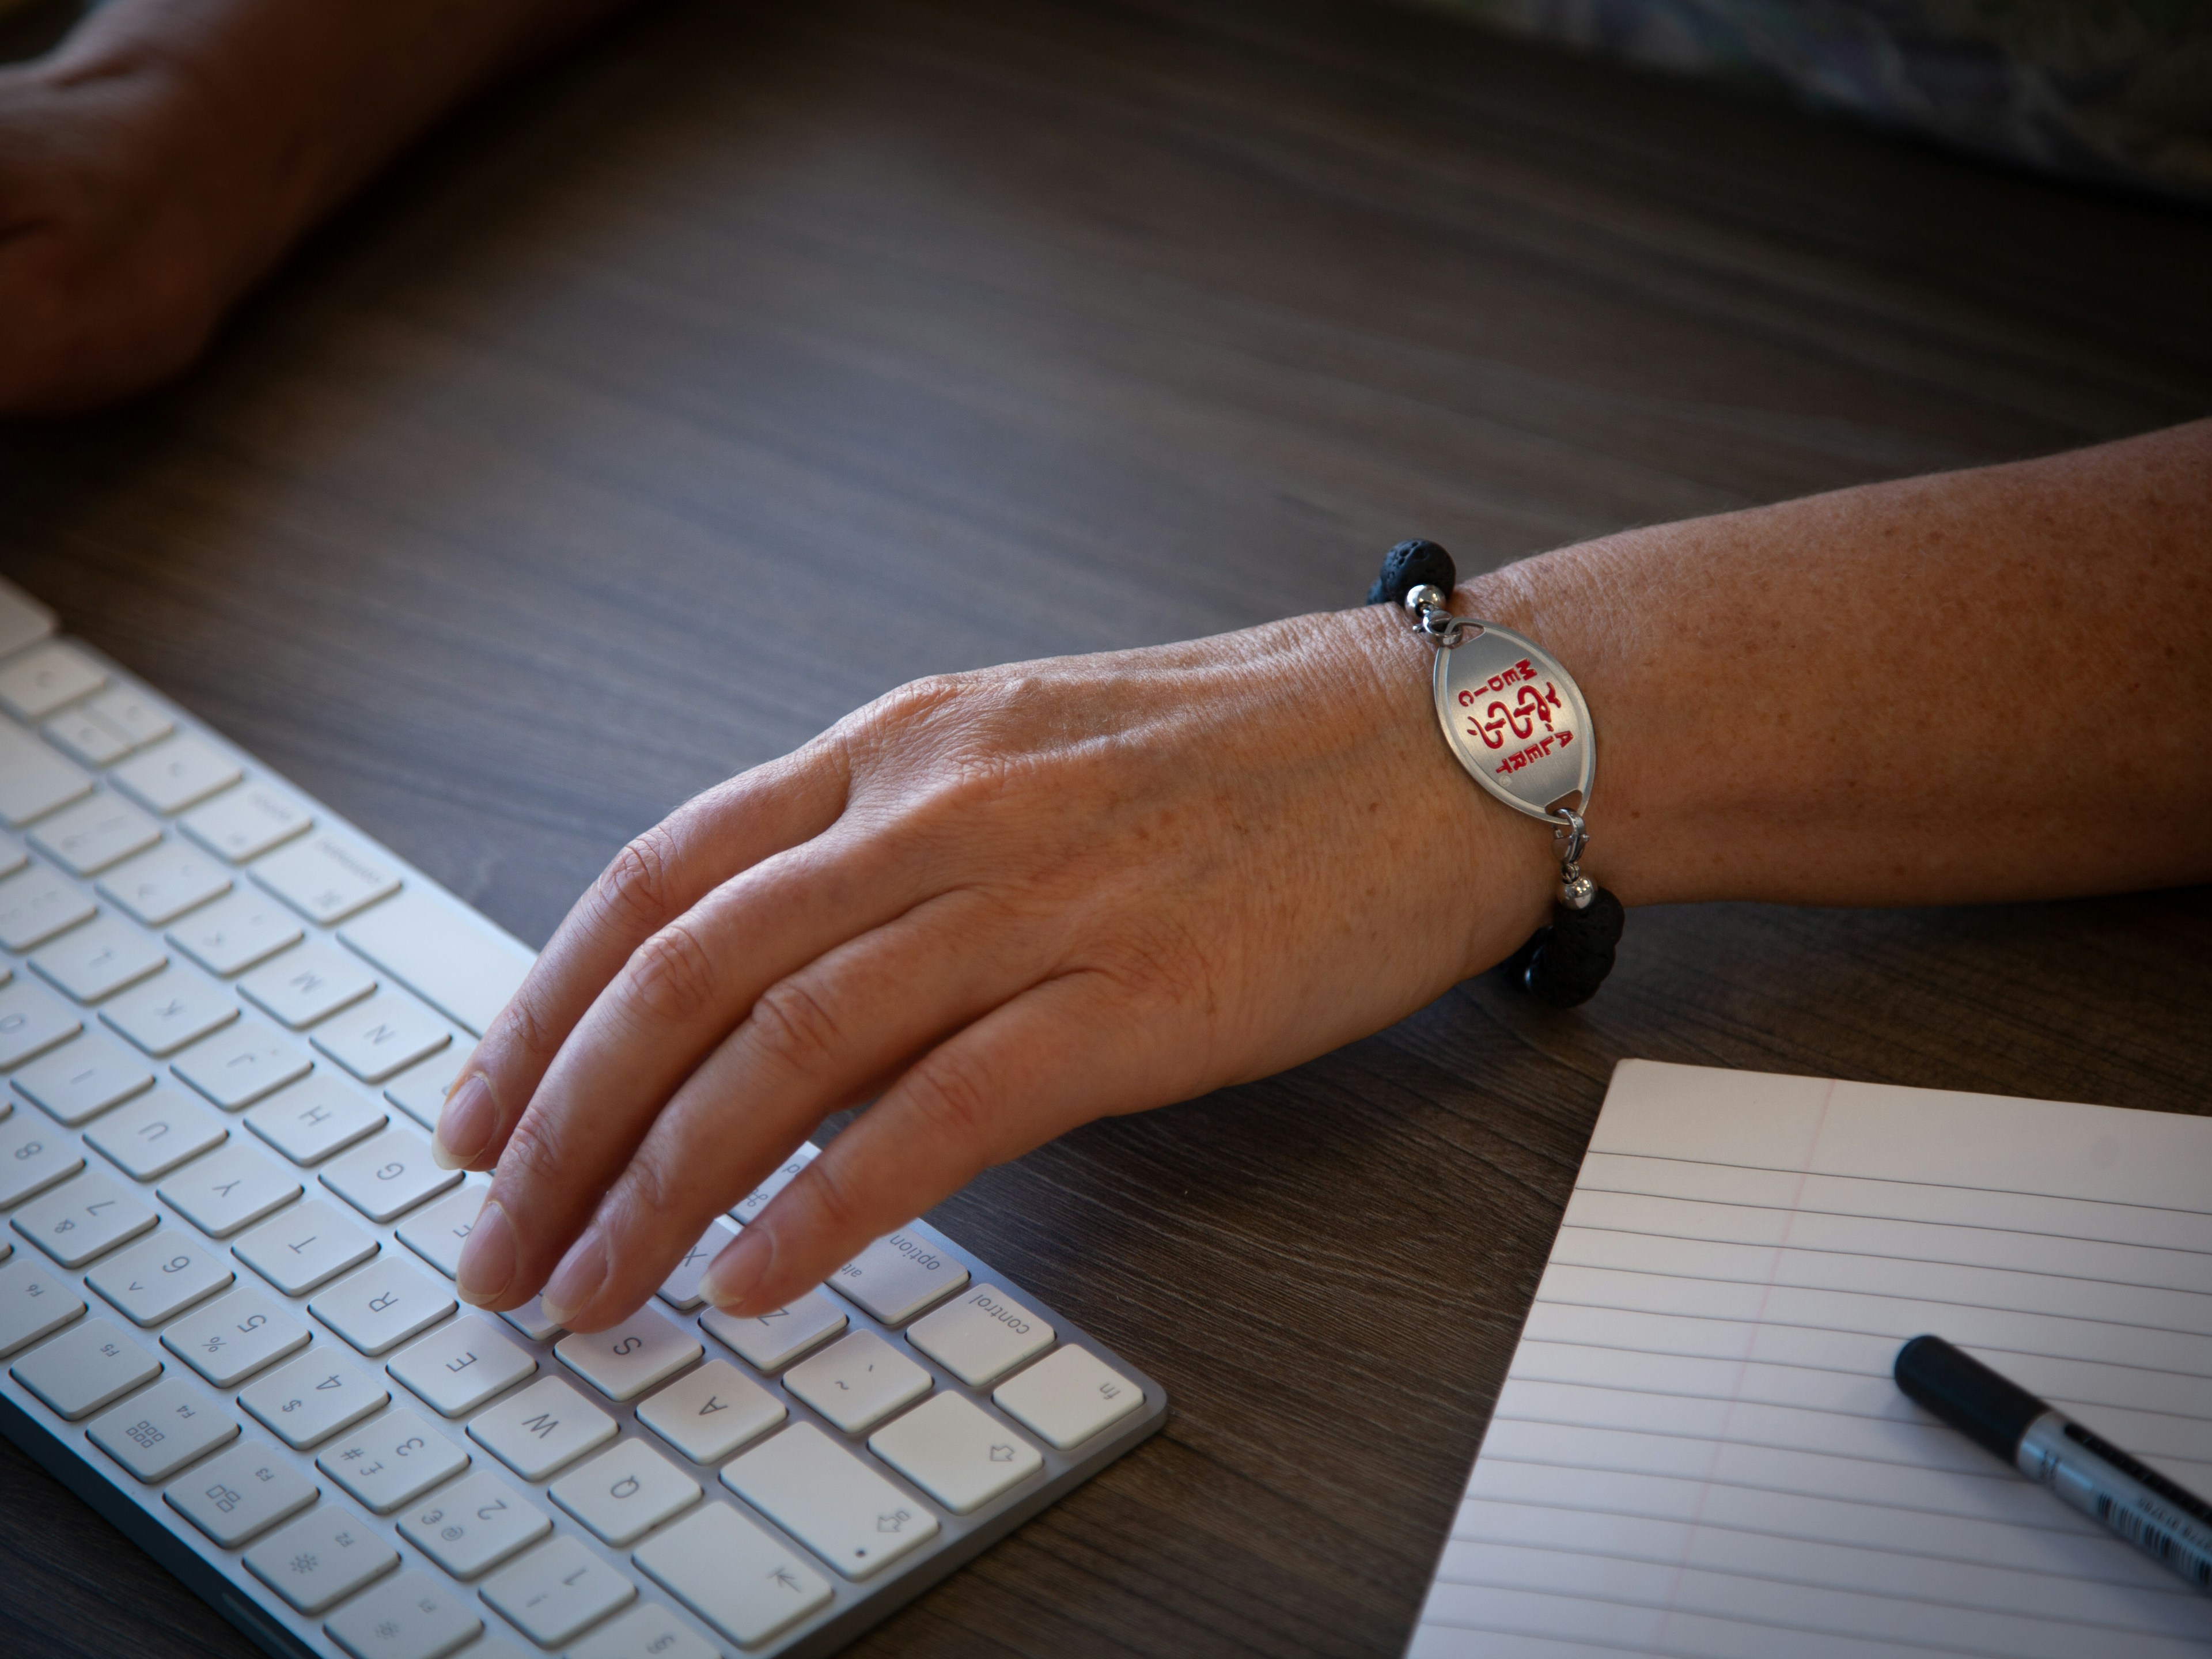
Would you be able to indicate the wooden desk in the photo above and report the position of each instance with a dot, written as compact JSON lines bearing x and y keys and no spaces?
{"x":753,"y":361}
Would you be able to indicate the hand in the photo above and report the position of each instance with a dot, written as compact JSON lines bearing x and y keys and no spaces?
{"x":1001,"y":904}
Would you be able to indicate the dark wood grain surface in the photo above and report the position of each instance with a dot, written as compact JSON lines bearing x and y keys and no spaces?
{"x":753,"y":360}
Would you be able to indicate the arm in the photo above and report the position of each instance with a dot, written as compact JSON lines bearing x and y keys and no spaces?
{"x":1002,"y":903}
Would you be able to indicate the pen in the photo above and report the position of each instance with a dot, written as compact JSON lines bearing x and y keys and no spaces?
{"x":2166,"y":1522}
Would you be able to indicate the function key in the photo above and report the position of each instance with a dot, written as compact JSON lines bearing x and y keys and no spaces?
{"x":241,"y":1494}
{"x":320,"y":1559}
{"x":155,"y":1433}
{"x":1068,"y":1396}
{"x":34,"y":1302}
{"x":91,"y":1365}
{"x":647,"y":1631}
{"x":411,"y":1617}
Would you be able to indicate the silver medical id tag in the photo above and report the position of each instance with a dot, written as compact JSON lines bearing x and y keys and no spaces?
{"x":1517,"y":720}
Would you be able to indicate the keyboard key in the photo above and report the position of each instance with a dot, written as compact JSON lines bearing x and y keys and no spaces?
{"x":32,"y":1157}
{"x":982,"y":1336}
{"x":530,"y":1320}
{"x":753,"y":1202}
{"x":305,"y":1246}
{"x":35,"y":904}
{"x":157,"y":1279}
{"x":12,"y":856}
{"x":34,"y":1302}
{"x":957,"y":1452}
{"x":173,"y":1008}
{"x":236,"y":1336}
{"x":647,"y":1631}
{"x":230,"y":1189}
{"x":831,"y":1502}
{"x":624,"y":1361}
{"x":179,"y":772}
{"x":158,"y":886}
{"x":240,"y":1065}
{"x":86,"y":737}
{"x":391,"y":1460}
{"x":381,"y":1037}
{"x":85,"y":1218}
{"x":456,"y":962}
{"x":305,"y":985}
{"x":155,"y":1433}
{"x":314,"y":1397}
{"x":558,"y":1591}
{"x":436,"y":1234}
{"x":86,"y":838}
{"x":326,"y":877}
{"x":237,"y":1496}
{"x":381,"y":1306}
{"x":321,"y":1558}
{"x":1068,"y":1396}
{"x":859,"y":1381}
{"x":733,"y":1575}
{"x":457,"y":1367}
{"x":94,"y":962}
{"x":40,"y":680}
{"x":708,"y":1415}
{"x":421,"y":1091}
{"x":32,"y":1021}
{"x":625,"y":1492}
{"x":77,"y":1083}
{"x":34,"y":779}
{"x":412,"y":1617}
{"x":138,"y":717}
{"x":309,"y":1121}
{"x":83,"y":1369}
{"x":547,"y":1426}
{"x":898,"y":1276}
{"x":681,"y":1288}
{"x":771,"y":1340}
{"x":385,"y":1177}
{"x":473,"y":1526}
{"x":230,"y":936}
{"x":156,"y":1132}
{"x":245,"y":823}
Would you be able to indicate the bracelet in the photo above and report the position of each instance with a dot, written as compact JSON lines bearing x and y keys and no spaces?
{"x":1517,"y":722}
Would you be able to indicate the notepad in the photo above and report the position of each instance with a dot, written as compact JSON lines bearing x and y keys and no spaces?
{"x":1699,"y":1450}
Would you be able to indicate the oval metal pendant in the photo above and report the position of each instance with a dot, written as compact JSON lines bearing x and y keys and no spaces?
{"x":1517,"y":720}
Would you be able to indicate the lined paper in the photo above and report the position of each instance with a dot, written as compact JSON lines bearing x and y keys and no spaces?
{"x":1699,"y":1450}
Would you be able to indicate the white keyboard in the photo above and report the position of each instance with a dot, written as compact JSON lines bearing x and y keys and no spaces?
{"x":228,"y":1020}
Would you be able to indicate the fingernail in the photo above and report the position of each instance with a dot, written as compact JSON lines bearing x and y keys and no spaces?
{"x":576,"y":1280}
{"x":464,"y":1126}
{"x":487,"y":1264}
{"x":730,"y":1277}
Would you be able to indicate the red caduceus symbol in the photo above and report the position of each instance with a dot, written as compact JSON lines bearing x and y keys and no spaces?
{"x":1529,"y":708}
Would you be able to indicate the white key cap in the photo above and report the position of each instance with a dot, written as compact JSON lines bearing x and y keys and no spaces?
{"x":94,"y":1364}
{"x":1068,"y":1396}
{"x":392,"y":1459}
{"x":859,"y":1381}
{"x":456,"y":962}
{"x":647,"y":1631}
{"x":773,"y":1339}
{"x":305,"y":1246}
{"x":982,"y":1336}
{"x":86,"y":737}
{"x":381,"y":1037}
{"x":32,"y":1020}
{"x":412,"y":1617}
{"x":245,"y":823}
{"x":733,"y":1575}
{"x":179,"y":771}
{"x":532,"y":1320}
{"x":156,"y":1132}
{"x":385,"y":1177}
{"x":421,"y":1091}
{"x":174,"y":1007}
{"x":957,"y":1452}
{"x":457,"y":1367}
{"x":753,"y":1203}
{"x":313,"y":1397}
{"x":708,"y":1415}
{"x":160,"y":885}
{"x":86,"y":838}
{"x":40,"y":680}
{"x":235,"y":1336}
{"x":85,"y":1218}
{"x":308,"y":984}
{"x":230,"y":936}
{"x":230,"y":1189}
{"x":896,"y":1277}
{"x":33,"y":1157}
{"x":547,"y":1426}
{"x":12,"y":856}
{"x":35,"y":904}
{"x":155,"y":1433}
{"x":437,"y":1233}
{"x":139,"y":719}
{"x":324,"y":878}
{"x":158,"y":1277}
{"x":381,"y":1306}
{"x":625,"y":1492}
{"x":474,"y":1525}
{"x":558,"y":1591}
{"x":75,"y":1084}
{"x":309,"y":1121}
{"x":34,"y":1302}
{"x":624,"y":1361}
{"x":240,"y":1064}
{"x":321,"y":1558}
{"x":237,"y":1496}
{"x":831,"y":1502}
{"x":96,"y":961}
{"x":681,"y":1288}
{"x":34,"y":779}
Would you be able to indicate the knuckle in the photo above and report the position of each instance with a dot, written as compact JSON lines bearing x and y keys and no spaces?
{"x":671,"y":975}
{"x":957,"y":1098}
{"x":533,"y":1152}
{"x":838,"y":1206}
{"x":634,"y":889}
{"x":793,"y":1029}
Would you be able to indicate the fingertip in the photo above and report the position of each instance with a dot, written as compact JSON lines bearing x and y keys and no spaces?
{"x":487,"y":1257}
{"x":464,"y":1124}
{"x":734,"y":1278}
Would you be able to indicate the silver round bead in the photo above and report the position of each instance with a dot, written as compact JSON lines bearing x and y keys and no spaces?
{"x":1576,"y":895}
{"x":1425,"y":597}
